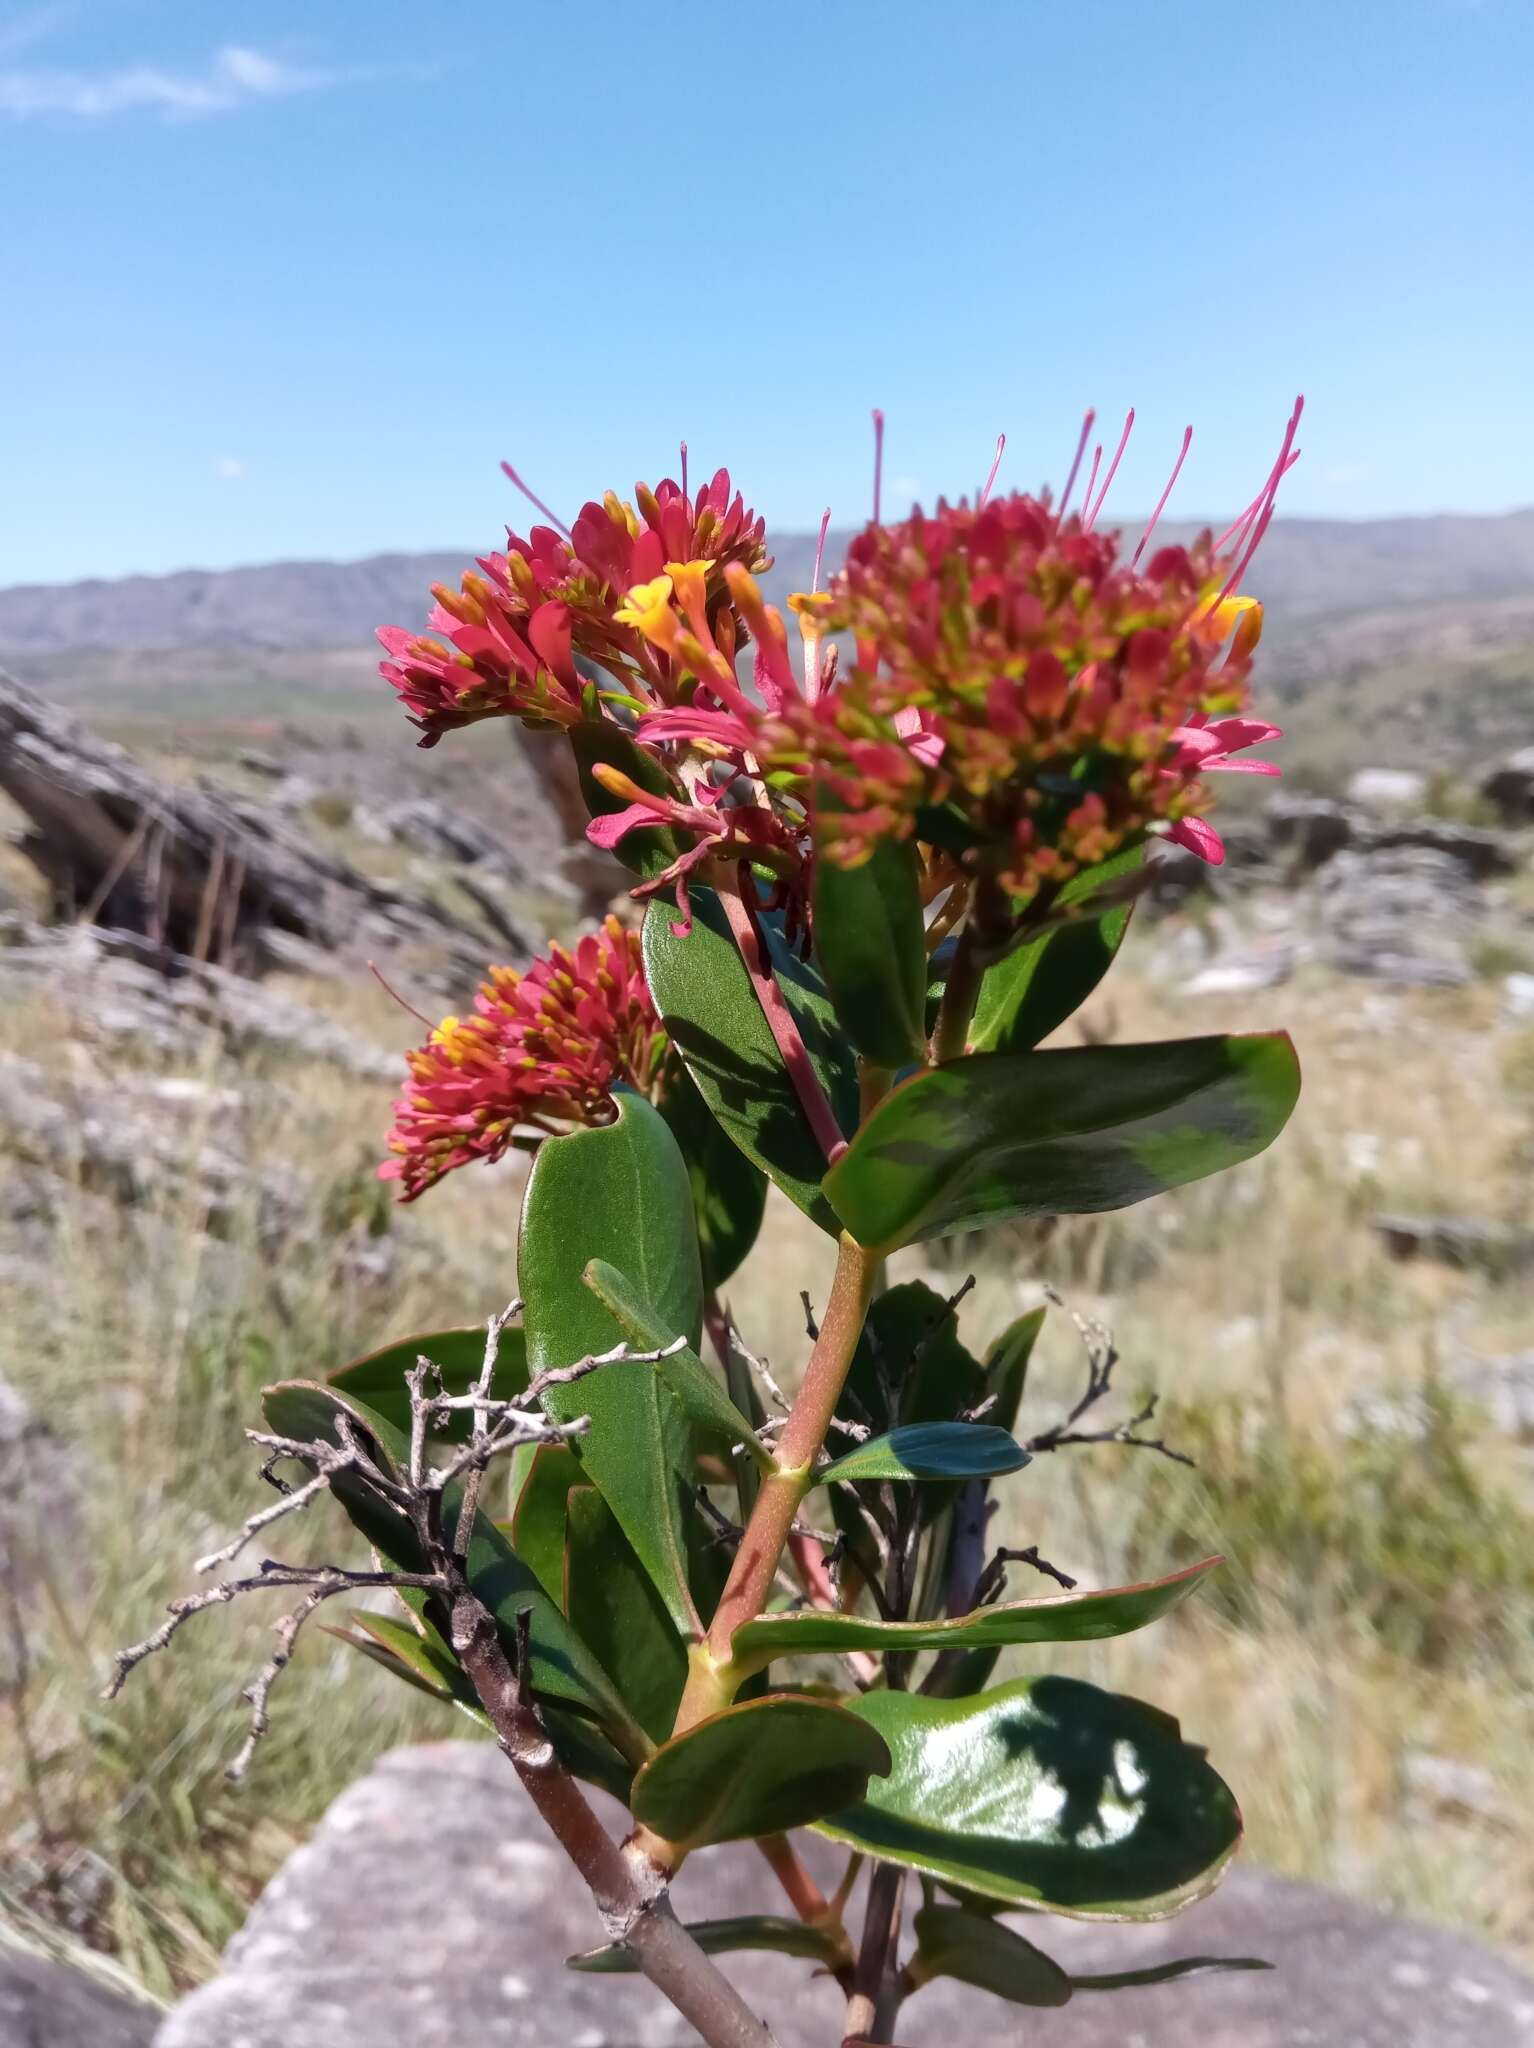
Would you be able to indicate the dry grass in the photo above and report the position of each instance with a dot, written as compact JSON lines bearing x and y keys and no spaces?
{"x":143,"y":1341}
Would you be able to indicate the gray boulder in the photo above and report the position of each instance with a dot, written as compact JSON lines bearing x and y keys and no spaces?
{"x":430,"y":1909}
{"x":1509,"y":784}
{"x":44,"y":2004}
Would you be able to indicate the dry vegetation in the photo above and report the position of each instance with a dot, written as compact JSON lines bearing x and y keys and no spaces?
{"x":1379,"y":1602}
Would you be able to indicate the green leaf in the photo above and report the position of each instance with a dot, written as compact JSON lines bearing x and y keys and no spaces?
{"x":755,"y":1769}
{"x":683,"y":1374}
{"x":1006,"y":1365}
{"x":379,"y":1379}
{"x":648,"y":849}
{"x":614,"y":1607}
{"x":560,"y":1665}
{"x":618,"y":1192}
{"x":407,"y":1655}
{"x":729,"y":1193}
{"x":1164,"y":1973}
{"x":724,"y":1937}
{"x":870,"y":940}
{"x":911,"y":1347}
{"x":1032,"y":992}
{"x":1072,"y":1617}
{"x":706,"y":1001}
{"x":1047,"y":1793}
{"x":1066,"y":1133}
{"x":931,"y":1450}
{"x":538,"y":1520}
{"x":987,"y":1954}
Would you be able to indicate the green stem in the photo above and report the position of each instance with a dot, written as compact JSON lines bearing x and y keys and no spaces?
{"x":961,"y":992}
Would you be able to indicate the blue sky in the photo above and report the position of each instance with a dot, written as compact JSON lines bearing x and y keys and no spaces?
{"x":289,"y":279}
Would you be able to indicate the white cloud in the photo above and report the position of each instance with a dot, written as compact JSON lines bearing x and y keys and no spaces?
{"x":235,"y":77}
{"x":229,"y":469}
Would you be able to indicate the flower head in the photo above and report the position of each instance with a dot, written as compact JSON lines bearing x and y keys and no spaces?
{"x":542,"y":1050}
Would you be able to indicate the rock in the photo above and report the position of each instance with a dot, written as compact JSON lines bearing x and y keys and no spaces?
{"x":1457,"y":1241}
{"x":1509,"y":785}
{"x":1386,"y":791}
{"x":1482,"y":854}
{"x":1264,"y":965}
{"x":429,"y":1908}
{"x":1308,"y":828}
{"x":1446,"y":1788}
{"x":1400,"y":915}
{"x":45,"y":2004}
{"x":1518,"y":997}
{"x":442,"y":833}
{"x":198,"y":872}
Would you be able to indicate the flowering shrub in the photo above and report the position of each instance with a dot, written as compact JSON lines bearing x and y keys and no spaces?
{"x":876,"y":872}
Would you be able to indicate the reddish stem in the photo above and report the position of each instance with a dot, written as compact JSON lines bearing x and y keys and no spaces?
{"x":780,"y":1019}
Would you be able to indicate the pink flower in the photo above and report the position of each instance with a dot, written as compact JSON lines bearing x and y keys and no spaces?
{"x":542,"y":1051}
{"x":1205,"y":746}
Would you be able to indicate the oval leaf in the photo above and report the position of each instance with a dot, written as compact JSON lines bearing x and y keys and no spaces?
{"x":987,"y":1954}
{"x":618,"y":1192}
{"x":379,"y":1378}
{"x":931,"y":1450}
{"x":725,"y":1937}
{"x":1054,"y":1618}
{"x":683,"y":1374}
{"x":649,"y":849}
{"x":870,"y":940}
{"x":614,"y":1607}
{"x":705,"y":998}
{"x":1059,"y":1133}
{"x":537,"y":1528}
{"x":1045,"y":1793}
{"x":756,"y":1769}
{"x":1032,"y":992}
{"x":729,"y":1192}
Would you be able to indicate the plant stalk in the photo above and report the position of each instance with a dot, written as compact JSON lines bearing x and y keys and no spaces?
{"x":961,"y":992}
{"x":780,"y":1019}
{"x":872,"y":2006}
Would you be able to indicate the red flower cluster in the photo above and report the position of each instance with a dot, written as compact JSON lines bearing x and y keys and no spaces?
{"x":512,"y":631}
{"x":543,"y":1050}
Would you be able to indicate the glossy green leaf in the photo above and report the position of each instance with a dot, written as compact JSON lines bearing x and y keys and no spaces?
{"x":770,"y":1764}
{"x":648,"y":849}
{"x":538,"y":1522}
{"x":683,"y":1374}
{"x":931,"y":1450}
{"x":614,"y":1608}
{"x":1006,"y":1366}
{"x":704,"y":995}
{"x":910,"y":1349}
{"x":1045,"y":1793}
{"x":987,"y":1954}
{"x":1166,"y":1973}
{"x":379,"y":1379}
{"x":618,"y":1192}
{"x":561,"y":1666}
{"x":870,"y":940}
{"x":1032,"y":992}
{"x":729,"y":1192}
{"x":726,"y":1937}
{"x":407,"y":1655}
{"x":1072,"y":1617}
{"x":1066,"y":1133}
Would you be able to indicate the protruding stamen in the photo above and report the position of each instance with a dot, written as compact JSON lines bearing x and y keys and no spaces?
{"x":395,"y":996}
{"x":1268,"y":497}
{"x":1081,"y":449}
{"x":1001,"y":443}
{"x":1086,"y":500}
{"x":533,"y":499}
{"x":878,"y":419}
{"x":1182,"y":456}
{"x":820,"y":546}
{"x":1091,"y":510}
{"x":684,"y":469}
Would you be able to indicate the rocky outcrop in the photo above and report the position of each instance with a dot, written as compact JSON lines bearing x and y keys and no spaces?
{"x":429,"y":1907}
{"x":196,"y":871}
{"x":44,"y":2004}
{"x":1509,"y":785}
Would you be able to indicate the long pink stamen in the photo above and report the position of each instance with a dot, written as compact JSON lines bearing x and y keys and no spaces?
{"x":1086,"y":502}
{"x":1286,"y":461}
{"x":1089,"y":516}
{"x":820,"y":547}
{"x":780,"y":1019}
{"x":1081,"y":449}
{"x":395,"y":996}
{"x":1182,"y":456}
{"x":878,"y":418}
{"x":533,"y":499}
{"x":1001,"y":443}
{"x":1269,"y":498}
{"x":684,"y":469}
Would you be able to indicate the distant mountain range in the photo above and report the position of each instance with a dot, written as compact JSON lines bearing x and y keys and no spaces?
{"x":1434,"y":596}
